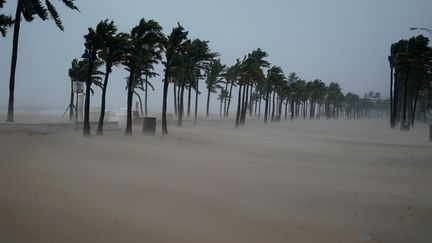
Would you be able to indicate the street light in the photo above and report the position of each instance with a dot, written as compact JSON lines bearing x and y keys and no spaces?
{"x":418,"y":28}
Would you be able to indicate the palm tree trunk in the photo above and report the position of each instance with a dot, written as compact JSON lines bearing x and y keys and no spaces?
{"x":273,"y":106}
{"x":396,"y":94}
{"x":286,"y":109}
{"x":145,"y":96}
{"x":225,"y":107}
{"x":311,"y":109}
{"x":245,"y":104}
{"x":266,"y":110}
{"x":208,"y":102}
{"x":220,"y":108}
{"x":238,"y":105}
{"x":280,"y":108}
{"x":225,"y":99}
{"x":242,"y":104}
{"x":128,"y":131}
{"x":259,"y":108}
{"x":181,"y":105}
{"x":392,"y":121}
{"x":250,"y":100}
{"x":86,"y":127}
{"x":164,"y":99}
{"x":10,"y":115}
{"x":292,"y":109}
{"x":414,"y":108}
{"x":189,"y":100}
{"x":102,"y":111}
{"x":196,"y":100}
{"x":229,"y":100}
{"x":405,"y":104}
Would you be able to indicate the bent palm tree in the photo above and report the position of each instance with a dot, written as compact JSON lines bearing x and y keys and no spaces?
{"x":142,"y":52}
{"x":214,"y":79}
{"x":78,"y":73}
{"x":28,"y":9}
{"x":93,"y":43}
{"x":172,"y":45}
{"x":275,"y":75}
{"x":112,"y":52}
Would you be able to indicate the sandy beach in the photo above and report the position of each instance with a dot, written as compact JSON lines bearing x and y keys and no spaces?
{"x":302,"y":181}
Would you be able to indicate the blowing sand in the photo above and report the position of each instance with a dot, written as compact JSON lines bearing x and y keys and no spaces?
{"x":305,"y":181}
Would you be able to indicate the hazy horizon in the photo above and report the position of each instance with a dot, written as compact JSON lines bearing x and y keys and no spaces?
{"x":335,"y":41}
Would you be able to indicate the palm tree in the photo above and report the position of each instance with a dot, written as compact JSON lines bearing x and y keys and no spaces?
{"x":201,"y":56}
{"x":172,"y":45}
{"x":292,"y":78}
{"x":231,"y":76}
{"x":78,"y":73}
{"x":410,"y":64}
{"x":275,"y":75}
{"x":28,"y":9}
{"x":214,"y":75}
{"x":94,"y":42}
{"x":317,"y":90}
{"x":251,"y":71}
{"x":334,"y":100}
{"x":297,"y":94}
{"x":223,"y":96}
{"x":143,"y":50}
{"x":112,"y":53}
{"x":5,"y":21}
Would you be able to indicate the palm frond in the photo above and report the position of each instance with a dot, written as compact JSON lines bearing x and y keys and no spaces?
{"x":70,"y":4}
{"x":5,"y":23}
{"x":40,"y":9}
{"x":54,"y":15}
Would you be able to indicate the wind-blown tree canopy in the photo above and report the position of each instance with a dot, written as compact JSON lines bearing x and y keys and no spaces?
{"x":410,"y":64}
{"x":29,"y":9}
{"x":112,"y":52}
{"x":6,"y":21}
{"x":232,"y":75}
{"x":251,"y":71}
{"x":275,"y":76}
{"x":200,"y":56}
{"x":144,"y":50}
{"x":172,"y":45}
{"x":78,"y":74}
{"x":334,"y":100}
{"x":214,"y":73}
{"x":94,"y":41}
{"x":317,"y":92}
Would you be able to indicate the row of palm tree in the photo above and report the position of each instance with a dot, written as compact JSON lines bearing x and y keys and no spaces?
{"x":186,"y":62}
{"x":410,"y":80}
{"x":300,"y":98}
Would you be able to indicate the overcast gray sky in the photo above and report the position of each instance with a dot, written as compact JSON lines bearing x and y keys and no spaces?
{"x":346,"y":41}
